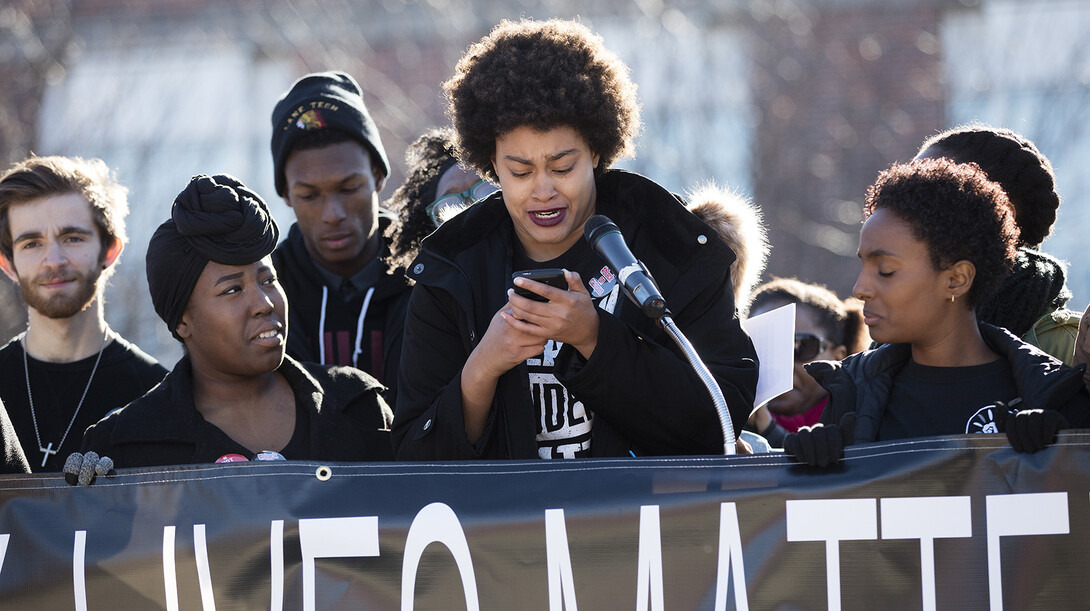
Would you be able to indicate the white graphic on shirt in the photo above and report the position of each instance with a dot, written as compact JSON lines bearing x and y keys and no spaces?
{"x":983,"y":421}
{"x":563,"y":423}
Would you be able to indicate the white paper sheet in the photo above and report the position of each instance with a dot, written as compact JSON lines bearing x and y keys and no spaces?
{"x":773,"y":335}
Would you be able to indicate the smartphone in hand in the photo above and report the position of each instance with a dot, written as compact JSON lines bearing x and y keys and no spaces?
{"x":550,"y":276}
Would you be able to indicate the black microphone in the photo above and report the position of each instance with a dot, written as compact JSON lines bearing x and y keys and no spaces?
{"x":605,"y":237}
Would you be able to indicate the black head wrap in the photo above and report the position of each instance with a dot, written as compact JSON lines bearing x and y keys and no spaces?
{"x":215,"y":218}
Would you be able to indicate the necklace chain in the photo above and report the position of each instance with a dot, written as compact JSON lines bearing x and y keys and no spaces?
{"x":46,"y":452}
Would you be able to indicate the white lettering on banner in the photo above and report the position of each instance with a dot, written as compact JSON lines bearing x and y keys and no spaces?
{"x":730,"y":555}
{"x":927,"y":518}
{"x":1007,"y":517}
{"x":334,"y":538}
{"x":816,"y":520}
{"x":276,"y":565}
{"x":558,"y":559}
{"x":649,"y":562}
{"x":170,"y":575}
{"x":3,"y":549}
{"x":437,"y":523}
{"x":832,"y":521}
{"x":204,"y":574}
{"x":79,"y":581}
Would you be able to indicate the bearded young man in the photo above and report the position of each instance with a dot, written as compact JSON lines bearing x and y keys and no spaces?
{"x":62,"y":229}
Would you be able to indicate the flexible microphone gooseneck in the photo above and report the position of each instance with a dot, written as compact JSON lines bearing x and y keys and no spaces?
{"x":605,"y":238}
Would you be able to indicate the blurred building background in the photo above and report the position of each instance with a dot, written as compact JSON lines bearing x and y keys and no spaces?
{"x":796,"y":103}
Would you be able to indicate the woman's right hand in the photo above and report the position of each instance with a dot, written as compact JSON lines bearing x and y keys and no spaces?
{"x":501,"y":349}
{"x":503,"y":346}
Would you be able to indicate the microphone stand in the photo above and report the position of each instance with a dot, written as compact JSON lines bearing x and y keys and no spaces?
{"x":701,"y":369}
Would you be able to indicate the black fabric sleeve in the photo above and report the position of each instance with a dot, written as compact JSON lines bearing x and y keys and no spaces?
{"x":428,"y":419}
{"x":97,"y":438}
{"x":1077,"y":409}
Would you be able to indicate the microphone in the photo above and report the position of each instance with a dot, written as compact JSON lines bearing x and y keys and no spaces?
{"x":605,"y":238}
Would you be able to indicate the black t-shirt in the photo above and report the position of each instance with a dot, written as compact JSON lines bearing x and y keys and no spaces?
{"x":297,"y":448}
{"x":927,"y":401}
{"x":125,"y":373}
{"x":563,"y":423}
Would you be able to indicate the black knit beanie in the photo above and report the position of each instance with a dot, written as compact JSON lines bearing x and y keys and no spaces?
{"x":323,"y":100}
{"x":1035,"y":288}
{"x":215,"y":218}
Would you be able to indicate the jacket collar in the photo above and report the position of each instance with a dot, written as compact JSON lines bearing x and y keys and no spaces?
{"x":168,"y":411}
{"x":1042,"y":381}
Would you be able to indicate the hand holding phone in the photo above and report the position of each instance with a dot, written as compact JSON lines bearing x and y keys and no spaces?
{"x":551,"y":276}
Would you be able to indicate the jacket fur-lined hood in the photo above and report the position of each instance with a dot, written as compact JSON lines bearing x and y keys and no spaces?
{"x":739,"y":223}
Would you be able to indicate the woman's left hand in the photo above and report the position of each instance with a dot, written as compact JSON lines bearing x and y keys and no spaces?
{"x":569,"y":316}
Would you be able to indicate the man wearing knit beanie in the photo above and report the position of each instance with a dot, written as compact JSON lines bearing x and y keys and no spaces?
{"x":347,"y":307}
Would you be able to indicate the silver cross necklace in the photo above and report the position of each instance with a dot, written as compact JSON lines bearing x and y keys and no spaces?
{"x":48,"y":451}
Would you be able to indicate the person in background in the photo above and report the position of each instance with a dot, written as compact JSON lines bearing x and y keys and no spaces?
{"x":437,"y":188}
{"x":826,"y":329}
{"x":1032,"y":301}
{"x":62,"y":230}
{"x":347,"y":304}
{"x":235,"y":395}
{"x":543,"y":109}
{"x":938,"y":239}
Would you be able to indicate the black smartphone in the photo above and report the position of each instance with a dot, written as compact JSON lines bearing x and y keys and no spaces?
{"x":551,"y":276}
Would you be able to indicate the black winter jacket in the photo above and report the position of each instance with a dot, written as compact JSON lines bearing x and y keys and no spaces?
{"x":862,"y":382}
{"x":349,"y":420}
{"x":645,"y":396}
{"x":303,"y":285}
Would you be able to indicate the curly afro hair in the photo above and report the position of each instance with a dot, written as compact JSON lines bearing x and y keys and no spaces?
{"x":957,"y":212}
{"x":543,"y":75}
{"x":1014,"y":162}
{"x":427,"y":158}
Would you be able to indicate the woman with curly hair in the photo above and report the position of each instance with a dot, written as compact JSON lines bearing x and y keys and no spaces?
{"x":1032,"y":301}
{"x":544,"y":109}
{"x":437,"y":188}
{"x":938,"y":239}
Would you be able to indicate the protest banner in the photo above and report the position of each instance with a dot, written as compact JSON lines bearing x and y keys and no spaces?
{"x":950,"y":523}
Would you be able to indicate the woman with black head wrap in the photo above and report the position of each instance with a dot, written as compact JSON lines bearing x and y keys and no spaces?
{"x":235,"y":394}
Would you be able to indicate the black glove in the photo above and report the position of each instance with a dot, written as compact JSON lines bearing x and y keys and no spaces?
{"x":821,"y":446}
{"x":82,"y":469}
{"x":1032,"y":430}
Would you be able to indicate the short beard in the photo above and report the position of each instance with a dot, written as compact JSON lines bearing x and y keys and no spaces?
{"x":62,"y":306}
